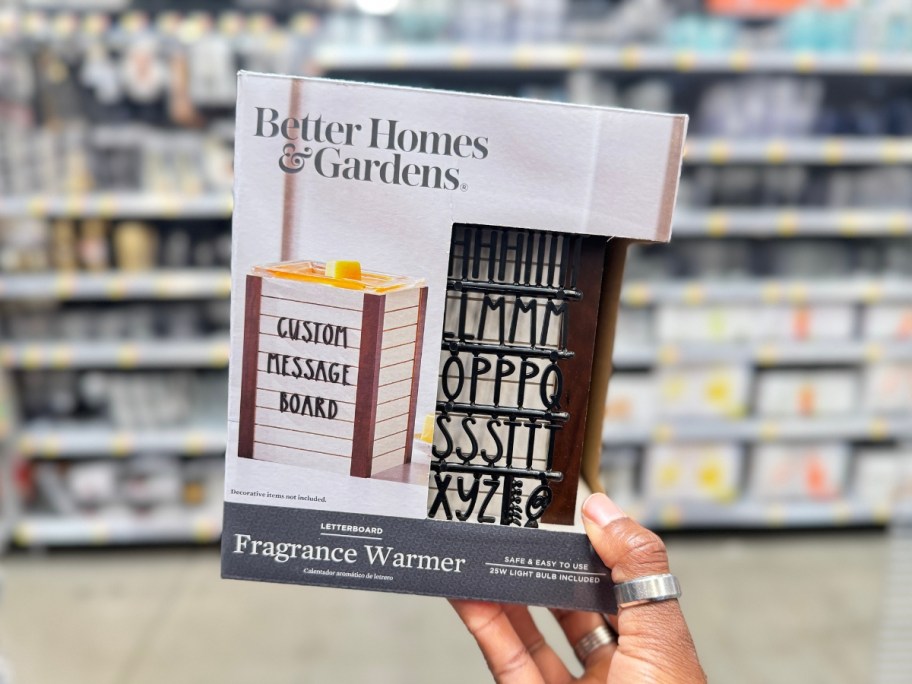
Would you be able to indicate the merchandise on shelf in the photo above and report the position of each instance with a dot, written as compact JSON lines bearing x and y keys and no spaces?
{"x":888,"y":388}
{"x":879,"y":474}
{"x":143,"y":485}
{"x":807,"y":393}
{"x":758,"y":323}
{"x":798,"y":471}
{"x":692,"y":472}
{"x":124,"y":400}
{"x":887,"y":322}
{"x":97,"y":245}
{"x":631,"y":399}
{"x":797,"y":187}
{"x":40,"y":323}
{"x":715,"y":391}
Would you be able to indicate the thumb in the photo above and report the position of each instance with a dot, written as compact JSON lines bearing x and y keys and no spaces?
{"x":628,"y":548}
{"x":653,"y":632}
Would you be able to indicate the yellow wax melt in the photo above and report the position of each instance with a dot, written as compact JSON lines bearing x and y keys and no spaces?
{"x":350,"y":270}
{"x":427,"y":432}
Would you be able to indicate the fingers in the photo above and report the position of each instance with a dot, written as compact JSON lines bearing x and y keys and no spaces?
{"x":577,"y":624}
{"x":549,"y":663}
{"x":507,"y":656}
{"x":628,"y":548}
{"x":655,"y":631}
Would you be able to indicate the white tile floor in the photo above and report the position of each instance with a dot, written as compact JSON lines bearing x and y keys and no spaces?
{"x":763,"y":608}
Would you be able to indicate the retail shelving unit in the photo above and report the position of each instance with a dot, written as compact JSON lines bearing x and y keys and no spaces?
{"x":66,"y":440}
{"x":475,"y":66}
{"x":115,"y":205}
{"x":156,"y":285}
{"x":175,"y":528}
{"x":190,"y":353}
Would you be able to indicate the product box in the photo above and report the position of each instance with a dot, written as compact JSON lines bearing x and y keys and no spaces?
{"x":877,"y":477}
{"x":425,"y":290}
{"x":692,"y":472}
{"x":888,"y":388}
{"x":761,"y":323}
{"x":799,"y":471}
{"x":887,"y":322}
{"x":631,"y":400}
{"x":704,"y":391}
{"x":806,"y":393}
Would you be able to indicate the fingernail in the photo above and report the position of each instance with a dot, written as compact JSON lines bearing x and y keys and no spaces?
{"x":601,"y":510}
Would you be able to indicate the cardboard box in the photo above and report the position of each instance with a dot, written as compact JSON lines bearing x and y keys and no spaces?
{"x":506,"y":224}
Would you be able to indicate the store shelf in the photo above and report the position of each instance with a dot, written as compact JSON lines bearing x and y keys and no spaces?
{"x":756,"y":514}
{"x":845,"y":428}
{"x":799,"y":222}
{"x":563,"y":57}
{"x":178,"y":353}
{"x":115,"y":285}
{"x":767,"y":291}
{"x":58,"y":20}
{"x":823,"y":151}
{"x":158,"y":528}
{"x":120,"y":27}
{"x":118,"y":205}
{"x":81,"y":440}
{"x":817,"y":353}
{"x":754,"y":221}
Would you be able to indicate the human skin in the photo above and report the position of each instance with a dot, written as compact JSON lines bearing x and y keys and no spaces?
{"x":654,"y":645}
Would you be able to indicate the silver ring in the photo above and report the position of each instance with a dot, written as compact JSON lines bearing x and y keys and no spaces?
{"x":647,"y":589}
{"x":598,"y":637}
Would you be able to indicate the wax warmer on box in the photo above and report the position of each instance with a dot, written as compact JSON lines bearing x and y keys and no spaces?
{"x":331,"y":360}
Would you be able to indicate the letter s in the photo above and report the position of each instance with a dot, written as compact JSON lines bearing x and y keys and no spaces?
{"x":481,"y":147}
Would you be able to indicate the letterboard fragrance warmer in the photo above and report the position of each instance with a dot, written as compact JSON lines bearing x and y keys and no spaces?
{"x":424,"y":295}
{"x":331,"y":359}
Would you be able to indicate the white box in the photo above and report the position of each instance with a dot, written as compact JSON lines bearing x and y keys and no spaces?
{"x":806,"y":393}
{"x":887,"y":322}
{"x":877,"y":473}
{"x":631,"y":399}
{"x":740,"y":323}
{"x":513,"y":213}
{"x":714,"y":391}
{"x":888,"y":388}
{"x":692,"y":472}
{"x":799,"y":471}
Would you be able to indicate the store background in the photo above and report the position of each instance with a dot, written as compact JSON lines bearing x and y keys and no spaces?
{"x":760,"y":413}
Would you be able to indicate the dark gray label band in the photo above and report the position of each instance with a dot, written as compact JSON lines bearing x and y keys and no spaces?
{"x":408,"y":556}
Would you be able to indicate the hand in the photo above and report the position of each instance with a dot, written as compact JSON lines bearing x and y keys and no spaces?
{"x":653,"y":644}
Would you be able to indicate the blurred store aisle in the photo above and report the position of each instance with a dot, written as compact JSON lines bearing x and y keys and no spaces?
{"x":763,"y":608}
